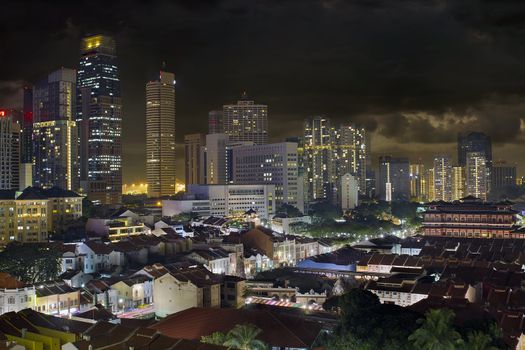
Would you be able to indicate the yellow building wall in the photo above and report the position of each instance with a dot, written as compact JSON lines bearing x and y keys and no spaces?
{"x":48,"y":343}
{"x":64,"y":337}
{"x":29,"y":344}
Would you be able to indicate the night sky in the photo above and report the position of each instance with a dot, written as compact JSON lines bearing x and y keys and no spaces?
{"x":413,"y":72}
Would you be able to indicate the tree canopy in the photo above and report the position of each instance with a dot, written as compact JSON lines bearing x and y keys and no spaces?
{"x":31,"y":263}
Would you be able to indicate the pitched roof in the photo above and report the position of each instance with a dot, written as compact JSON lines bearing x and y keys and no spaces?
{"x":99,"y":248}
{"x":277,"y":329}
{"x":9,"y":282}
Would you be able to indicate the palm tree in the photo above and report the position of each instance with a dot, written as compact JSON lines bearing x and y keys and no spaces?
{"x":479,"y":341}
{"x":436,"y":331}
{"x":244,"y":337}
{"x":216,"y":338}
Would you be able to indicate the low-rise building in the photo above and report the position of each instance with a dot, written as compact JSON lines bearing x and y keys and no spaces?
{"x":176,"y":289}
{"x":280,"y":249}
{"x":217,"y":260}
{"x":117,"y":228}
{"x":15,"y":295}
{"x":283,"y":224}
{"x":233,"y":290}
{"x":134,"y":291}
{"x":255,"y":262}
{"x":56,"y":298}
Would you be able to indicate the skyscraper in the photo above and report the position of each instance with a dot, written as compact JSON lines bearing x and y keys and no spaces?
{"x":350,"y":153}
{"x":55,"y":131}
{"x":318,"y":155}
{"x":26,"y":144}
{"x":442,"y":178}
{"x":349,"y":192}
{"x":99,"y":116}
{"x":429,"y":184}
{"x":9,"y":151}
{"x":246,"y":121}
{"x":214,"y":159}
{"x":477,"y":184}
{"x":193,"y":145}
{"x":160,"y":135}
{"x":394,"y":179}
{"x":417,"y":175}
{"x":215,"y":125}
{"x":503,"y":178}
{"x":476,"y":142}
{"x":458,"y":183}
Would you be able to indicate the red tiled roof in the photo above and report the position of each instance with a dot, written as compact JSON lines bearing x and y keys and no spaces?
{"x":9,"y":282}
{"x":277,"y":330}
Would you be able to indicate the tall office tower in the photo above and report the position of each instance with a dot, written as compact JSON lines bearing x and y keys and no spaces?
{"x":458,"y":183}
{"x":214,"y":159}
{"x":160,"y":135}
{"x":476,"y":177}
{"x":394,"y":179}
{"x":99,"y":118}
{"x":26,"y":145}
{"x":429,"y":182}
{"x":442,"y":178}
{"x":349,"y":192}
{"x":318,"y":158}
{"x":417,"y":174}
{"x":9,"y":151}
{"x":503,"y":178}
{"x":55,"y":131}
{"x":275,"y":164}
{"x":215,"y":125}
{"x":193,"y":145}
{"x":350,"y":153}
{"x":246,"y":121}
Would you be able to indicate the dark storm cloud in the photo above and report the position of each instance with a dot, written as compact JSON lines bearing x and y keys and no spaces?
{"x":411,"y":71}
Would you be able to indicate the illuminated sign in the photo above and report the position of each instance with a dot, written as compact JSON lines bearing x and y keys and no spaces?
{"x":3,"y":113}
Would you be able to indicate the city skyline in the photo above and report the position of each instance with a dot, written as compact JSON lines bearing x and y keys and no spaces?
{"x":401,"y":91}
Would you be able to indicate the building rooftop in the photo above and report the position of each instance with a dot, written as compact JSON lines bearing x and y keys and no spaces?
{"x":278,"y":330}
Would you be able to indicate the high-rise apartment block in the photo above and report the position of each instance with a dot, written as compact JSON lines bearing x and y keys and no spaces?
{"x":193,"y":163}
{"x":99,"y":118}
{"x":55,"y":132}
{"x":442,"y":178}
{"x":429,"y":184}
{"x":458,"y":183}
{"x":349,"y":192}
{"x":9,"y":151}
{"x":417,"y":182}
{"x":476,"y":175}
{"x":330,"y":153}
{"x":246,"y":121}
{"x":350,"y":153}
{"x":160,"y":135}
{"x":394,"y":179}
{"x":318,"y":153}
{"x":276,"y":164}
